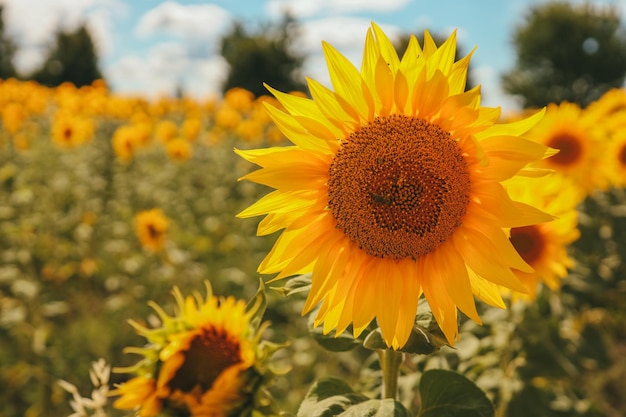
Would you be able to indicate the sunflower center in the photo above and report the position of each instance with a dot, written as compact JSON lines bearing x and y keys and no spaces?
{"x":153,"y":232}
{"x":528,"y":242}
{"x":398,"y":187}
{"x":569,"y":148}
{"x":209,"y":354}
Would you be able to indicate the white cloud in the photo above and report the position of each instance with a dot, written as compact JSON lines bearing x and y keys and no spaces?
{"x":491,"y":90}
{"x":32,"y":24}
{"x":165,"y":68}
{"x":190,"y":21}
{"x":308,"y":8}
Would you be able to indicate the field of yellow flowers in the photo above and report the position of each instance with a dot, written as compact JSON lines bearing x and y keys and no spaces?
{"x":107,"y":202}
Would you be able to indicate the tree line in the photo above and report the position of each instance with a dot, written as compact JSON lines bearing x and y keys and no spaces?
{"x":564,"y":52}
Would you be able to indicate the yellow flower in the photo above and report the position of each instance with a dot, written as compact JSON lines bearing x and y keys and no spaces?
{"x":615,"y":161}
{"x":179,"y":149}
{"x":206,"y":360}
{"x":239,"y":99}
{"x":165,"y":130}
{"x":393,"y":190}
{"x":544,"y":246}
{"x":574,"y":132}
{"x":125,"y":141}
{"x":151,"y":227}
{"x":69,"y":130}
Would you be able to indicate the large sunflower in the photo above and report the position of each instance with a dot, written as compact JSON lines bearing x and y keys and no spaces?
{"x":204,"y":361}
{"x":392,"y":190}
{"x":544,"y":246}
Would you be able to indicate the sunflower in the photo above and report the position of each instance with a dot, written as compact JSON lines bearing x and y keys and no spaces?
{"x":392,"y":189}
{"x":151,"y":227}
{"x":575,"y":133}
{"x":616,"y":159}
{"x":179,"y":149}
{"x":207,"y":360}
{"x":544,"y":246}
{"x":70,"y":130}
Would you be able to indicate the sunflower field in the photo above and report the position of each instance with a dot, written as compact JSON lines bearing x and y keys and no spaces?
{"x":114,"y":209}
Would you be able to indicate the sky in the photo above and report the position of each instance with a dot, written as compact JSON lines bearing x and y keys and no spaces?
{"x":151,"y":47}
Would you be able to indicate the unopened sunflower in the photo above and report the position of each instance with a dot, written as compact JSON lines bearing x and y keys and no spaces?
{"x":392,"y":189}
{"x":205,"y":361}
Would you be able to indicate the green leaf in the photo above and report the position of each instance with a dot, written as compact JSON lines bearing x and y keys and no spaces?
{"x":299,"y":284}
{"x":331,"y":342}
{"x":376,"y":408}
{"x":329,"y":397}
{"x":449,"y":394}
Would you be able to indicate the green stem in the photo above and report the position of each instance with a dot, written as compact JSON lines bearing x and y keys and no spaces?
{"x":390,"y":361}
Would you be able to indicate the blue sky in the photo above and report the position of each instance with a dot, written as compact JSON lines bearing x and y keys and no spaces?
{"x":150,"y":47}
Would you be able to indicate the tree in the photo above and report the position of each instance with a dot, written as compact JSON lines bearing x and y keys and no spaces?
{"x":403,"y":42}
{"x":7,"y":51}
{"x":72,"y":59}
{"x":567,"y":52}
{"x":265,"y":57}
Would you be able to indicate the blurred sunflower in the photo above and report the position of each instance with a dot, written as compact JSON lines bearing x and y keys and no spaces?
{"x":574,"y":132}
{"x":179,"y":149}
{"x":393,"y":190}
{"x":125,"y":142}
{"x":206,"y":360}
{"x":70,"y":130}
{"x":544,"y":246}
{"x":616,"y":159}
{"x":151,"y":227}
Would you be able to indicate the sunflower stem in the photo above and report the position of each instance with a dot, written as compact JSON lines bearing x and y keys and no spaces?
{"x":390,"y":361}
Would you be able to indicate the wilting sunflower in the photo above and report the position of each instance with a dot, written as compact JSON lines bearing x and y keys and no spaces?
{"x":575,"y":133}
{"x":544,"y":246}
{"x":393,"y":190}
{"x":151,"y":227}
{"x":207,"y":360}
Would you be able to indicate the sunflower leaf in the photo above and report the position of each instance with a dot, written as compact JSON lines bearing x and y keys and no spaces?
{"x":329,"y":397}
{"x":376,"y":408}
{"x":301,"y":283}
{"x":331,"y":341}
{"x":449,"y":394}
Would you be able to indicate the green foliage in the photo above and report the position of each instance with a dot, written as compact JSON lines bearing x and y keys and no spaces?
{"x":72,"y":58}
{"x":569,"y":53}
{"x":333,"y":397}
{"x":7,"y":51}
{"x":448,"y":394}
{"x":264,"y":57}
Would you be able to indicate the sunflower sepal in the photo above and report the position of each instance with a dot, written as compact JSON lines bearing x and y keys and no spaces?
{"x":255,"y":309}
{"x":295,"y":285}
{"x":333,"y":396}
{"x":425,"y":338}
